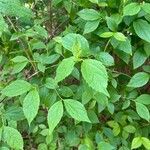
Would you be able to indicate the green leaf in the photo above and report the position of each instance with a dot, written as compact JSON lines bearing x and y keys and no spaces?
{"x":31,"y":105}
{"x":64,"y":69}
{"x":111,"y":108}
{"x":94,"y":1}
{"x":106,"y":59}
{"x":76,"y":110}
{"x":76,"y":43}
{"x":41,"y":67}
{"x":119,"y":36}
{"x":14,"y":113}
{"x":146,"y":7}
{"x":19,"y":67}
{"x":115,"y":126}
{"x":55,"y":2}
{"x":131,"y":9}
{"x":40,"y":31}
{"x":105,"y":146}
{"x":138,"y":80}
{"x":142,"y":111}
{"x":65,"y":91}
{"x":19,"y":59}
{"x":139,"y":58}
{"x":106,"y":34}
{"x":20,"y":63}
{"x":16,"y":88}
{"x":146,"y":142}
{"x":89,"y":14}
{"x":97,"y":78}
{"x":142,"y":29}
{"x":3,"y":25}
{"x":143,"y":99}
{"x":55,"y":114}
{"x":136,"y":143}
{"x":51,"y":83}
{"x":42,"y":146}
{"x":129,"y":129}
{"x":15,"y":8}
{"x":13,"y":138}
{"x":124,"y":46}
{"x":112,"y":25}
{"x":90,"y":26}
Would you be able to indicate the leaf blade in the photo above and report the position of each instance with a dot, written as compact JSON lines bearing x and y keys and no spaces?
{"x":64,"y":69}
{"x":142,"y":111}
{"x":98,"y":78}
{"x":31,"y":105}
{"x":55,"y":114}
{"x":16,"y":88}
{"x":76,"y":110}
{"x":13,"y":138}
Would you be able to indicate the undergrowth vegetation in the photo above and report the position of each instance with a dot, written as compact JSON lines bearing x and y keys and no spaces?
{"x":74,"y":74}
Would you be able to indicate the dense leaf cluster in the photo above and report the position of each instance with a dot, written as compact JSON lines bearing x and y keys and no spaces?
{"x":74,"y":74}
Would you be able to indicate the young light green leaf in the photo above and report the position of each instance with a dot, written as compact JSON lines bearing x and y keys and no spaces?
{"x":64,"y":69}
{"x":143,"y":99}
{"x":138,"y":80}
{"x":146,"y":142}
{"x":146,"y":7}
{"x":90,"y":26}
{"x":89,"y":14}
{"x":16,"y":88}
{"x":13,"y":138}
{"x":142,"y":111}
{"x":106,"y":34}
{"x":131,"y":9}
{"x":139,"y":58}
{"x":142,"y":29}
{"x":115,"y":126}
{"x":55,"y":114}
{"x":76,"y":110}
{"x":119,"y":36}
{"x":97,"y":78}
{"x":72,"y":40}
{"x":136,"y":143}
{"x":31,"y":105}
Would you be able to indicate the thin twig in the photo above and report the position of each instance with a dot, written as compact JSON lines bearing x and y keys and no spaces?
{"x":107,"y":45}
{"x":21,"y":42}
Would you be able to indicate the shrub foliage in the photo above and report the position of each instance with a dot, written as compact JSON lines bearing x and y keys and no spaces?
{"x":74,"y":74}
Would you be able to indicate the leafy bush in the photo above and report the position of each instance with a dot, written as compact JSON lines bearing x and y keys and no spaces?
{"x":74,"y":74}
